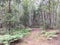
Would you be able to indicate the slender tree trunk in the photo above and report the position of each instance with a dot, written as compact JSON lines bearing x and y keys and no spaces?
{"x":49,"y":15}
{"x":30,"y":19}
{"x":9,"y":10}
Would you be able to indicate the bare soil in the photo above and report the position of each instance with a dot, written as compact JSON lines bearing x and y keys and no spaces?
{"x":34,"y":38}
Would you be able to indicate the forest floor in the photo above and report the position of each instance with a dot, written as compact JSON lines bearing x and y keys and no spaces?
{"x":34,"y":39}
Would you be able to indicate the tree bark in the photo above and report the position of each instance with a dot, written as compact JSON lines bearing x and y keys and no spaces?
{"x":9,"y":10}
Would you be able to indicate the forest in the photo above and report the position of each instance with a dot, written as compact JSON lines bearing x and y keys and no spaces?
{"x":29,"y":22}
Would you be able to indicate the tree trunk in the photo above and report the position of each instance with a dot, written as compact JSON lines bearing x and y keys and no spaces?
{"x":49,"y":15}
{"x":30,"y":19}
{"x":9,"y":10}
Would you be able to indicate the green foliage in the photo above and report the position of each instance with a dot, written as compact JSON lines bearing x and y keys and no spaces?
{"x":17,"y":34}
{"x":49,"y":35}
{"x":10,"y":21}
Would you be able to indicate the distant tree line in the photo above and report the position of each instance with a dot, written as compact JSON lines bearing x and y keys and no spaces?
{"x":30,"y":14}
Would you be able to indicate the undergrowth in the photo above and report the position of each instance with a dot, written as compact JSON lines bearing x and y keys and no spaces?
{"x":48,"y":34}
{"x":14,"y":35}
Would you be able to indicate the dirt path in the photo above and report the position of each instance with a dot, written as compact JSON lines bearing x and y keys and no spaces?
{"x":35,"y":39}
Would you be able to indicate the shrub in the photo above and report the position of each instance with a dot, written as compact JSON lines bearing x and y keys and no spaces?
{"x":48,"y":34}
{"x":18,"y":34}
